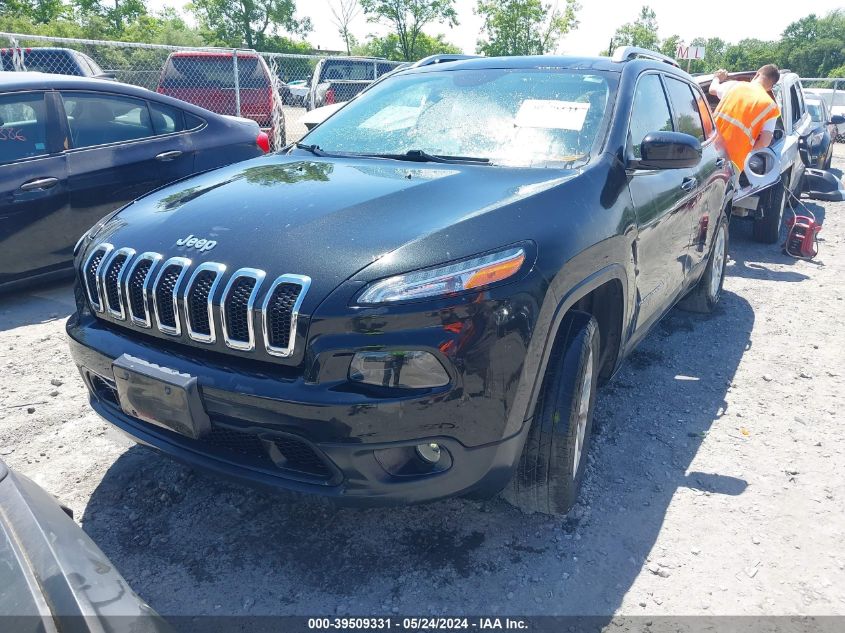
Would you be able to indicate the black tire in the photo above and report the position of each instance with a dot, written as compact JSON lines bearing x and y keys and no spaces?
{"x":767,"y":228}
{"x":706,"y":293}
{"x":547,"y":479}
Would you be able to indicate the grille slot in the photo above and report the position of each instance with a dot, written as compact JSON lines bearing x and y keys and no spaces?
{"x":136,"y":288}
{"x":111,"y":275}
{"x":164,"y":294}
{"x":237,"y":308}
{"x":112,"y":291}
{"x":199,"y":295}
{"x":92,"y":267}
{"x":280,"y":313}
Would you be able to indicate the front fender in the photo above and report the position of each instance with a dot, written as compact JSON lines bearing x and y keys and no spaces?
{"x":563,"y":294}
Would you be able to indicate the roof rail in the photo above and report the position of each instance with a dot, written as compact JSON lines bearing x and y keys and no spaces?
{"x":441,"y":58}
{"x":626,"y":53}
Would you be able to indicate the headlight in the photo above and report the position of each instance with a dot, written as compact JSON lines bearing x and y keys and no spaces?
{"x":458,"y":277}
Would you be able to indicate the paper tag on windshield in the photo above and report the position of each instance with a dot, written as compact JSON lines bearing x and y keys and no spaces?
{"x":552,"y":115}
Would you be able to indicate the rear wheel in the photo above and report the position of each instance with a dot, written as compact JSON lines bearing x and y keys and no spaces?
{"x":767,"y":228}
{"x":549,"y":473}
{"x":705,"y":294}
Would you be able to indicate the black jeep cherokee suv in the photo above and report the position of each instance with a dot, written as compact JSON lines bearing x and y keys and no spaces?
{"x":419,"y":300}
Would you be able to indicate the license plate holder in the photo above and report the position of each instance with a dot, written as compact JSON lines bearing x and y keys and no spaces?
{"x":161,"y":396}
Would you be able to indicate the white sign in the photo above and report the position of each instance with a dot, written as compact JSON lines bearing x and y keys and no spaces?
{"x":552,"y":115}
{"x":689,"y":52}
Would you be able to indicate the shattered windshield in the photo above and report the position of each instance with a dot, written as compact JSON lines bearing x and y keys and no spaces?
{"x":522,"y":117}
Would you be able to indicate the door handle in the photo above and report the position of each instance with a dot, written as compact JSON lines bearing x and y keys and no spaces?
{"x":720,"y":162}
{"x":39,"y":183}
{"x":165,"y":156}
{"x":689,"y":184}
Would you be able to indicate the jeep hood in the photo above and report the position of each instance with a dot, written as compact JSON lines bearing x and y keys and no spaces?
{"x":325,"y":218}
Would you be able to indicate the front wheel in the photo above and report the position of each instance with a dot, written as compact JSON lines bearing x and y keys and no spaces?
{"x":550,"y":470}
{"x":705,"y":294}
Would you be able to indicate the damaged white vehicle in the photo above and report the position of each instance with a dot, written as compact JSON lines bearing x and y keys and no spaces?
{"x":777,"y":175}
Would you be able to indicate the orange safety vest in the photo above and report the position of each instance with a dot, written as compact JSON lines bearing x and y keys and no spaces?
{"x":740,"y":116}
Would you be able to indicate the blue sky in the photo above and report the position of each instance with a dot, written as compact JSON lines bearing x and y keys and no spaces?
{"x":731,"y":20}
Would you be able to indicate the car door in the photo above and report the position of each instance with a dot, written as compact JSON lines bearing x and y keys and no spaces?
{"x":664,"y":201}
{"x":691,"y":116}
{"x":34,"y":202}
{"x":116,"y":154}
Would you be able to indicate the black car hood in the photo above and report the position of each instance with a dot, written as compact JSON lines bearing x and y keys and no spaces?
{"x":325,"y":218}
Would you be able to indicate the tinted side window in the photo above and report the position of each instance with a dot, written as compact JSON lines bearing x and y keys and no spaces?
{"x":192,"y":122}
{"x":49,"y":61}
{"x":796,"y":104}
{"x":351,"y":70}
{"x":706,"y":116}
{"x":650,"y":112}
{"x":687,"y":115}
{"x":166,"y":119}
{"x":23,"y":126}
{"x":96,"y":119}
{"x":207,"y":72}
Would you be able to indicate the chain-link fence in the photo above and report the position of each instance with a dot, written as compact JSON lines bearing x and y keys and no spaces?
{"x":830,"y":91}
{"x":272,"y":89}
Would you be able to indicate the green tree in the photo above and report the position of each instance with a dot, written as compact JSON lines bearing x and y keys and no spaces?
{"x":408,"y":17}
{"x":641,"y":32}
{"x":669,"y":46}
{"x":523,"y":27}
{"x":813,"y":46}
{"x":390,"y":47}
{"x":36,"y":11}
{"x":250,"y":23}
{"x":750,"y":54}
{"x":112,"y":17}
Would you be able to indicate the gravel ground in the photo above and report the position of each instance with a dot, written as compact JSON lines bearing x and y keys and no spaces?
{"x":715,"y":481}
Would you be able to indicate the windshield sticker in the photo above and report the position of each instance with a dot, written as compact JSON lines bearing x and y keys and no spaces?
{"x":552,"y":115}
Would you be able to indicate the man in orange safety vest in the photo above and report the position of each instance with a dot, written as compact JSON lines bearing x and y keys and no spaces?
{"x":746,"y":113}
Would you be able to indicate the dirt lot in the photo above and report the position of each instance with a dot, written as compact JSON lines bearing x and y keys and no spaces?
{"x":715,"y":483}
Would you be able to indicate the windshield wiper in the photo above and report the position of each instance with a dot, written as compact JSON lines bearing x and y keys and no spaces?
{"x":314,"y":149}
{"x":420,"y":156}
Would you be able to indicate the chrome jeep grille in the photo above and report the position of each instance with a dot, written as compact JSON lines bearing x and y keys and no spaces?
{"x":177,"y":298}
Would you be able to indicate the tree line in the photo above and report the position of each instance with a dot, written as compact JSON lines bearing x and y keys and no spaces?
{"x":812,"y":46}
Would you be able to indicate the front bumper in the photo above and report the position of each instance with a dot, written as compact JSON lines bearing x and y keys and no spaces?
{"x":277,"y":430}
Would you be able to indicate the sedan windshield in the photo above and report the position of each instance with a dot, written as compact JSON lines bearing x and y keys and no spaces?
{"x":524,"y":118}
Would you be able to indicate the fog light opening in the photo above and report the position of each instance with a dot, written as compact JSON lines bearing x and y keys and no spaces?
{"x":407,"y":369}
{"x":429,"y":453}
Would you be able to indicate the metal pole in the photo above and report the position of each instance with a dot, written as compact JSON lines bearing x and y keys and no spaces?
{"x":237,"y":83}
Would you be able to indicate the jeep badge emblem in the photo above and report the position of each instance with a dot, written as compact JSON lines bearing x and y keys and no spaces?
{"x":202,"y":245}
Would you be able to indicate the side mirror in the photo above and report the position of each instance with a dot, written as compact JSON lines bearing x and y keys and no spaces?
{"x":837,"y":119}
{"x":668,"y":150}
